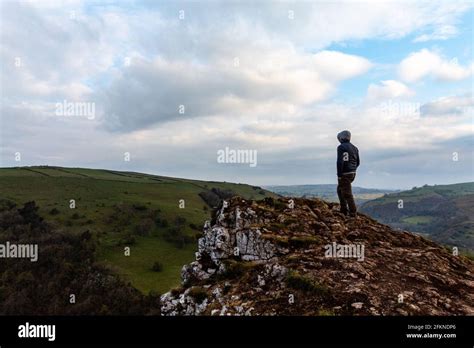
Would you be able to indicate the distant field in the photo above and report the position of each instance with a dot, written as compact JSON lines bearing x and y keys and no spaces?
{"x":418,"y":219}
{"x":113,"y":204}
{"x":327,"y":192}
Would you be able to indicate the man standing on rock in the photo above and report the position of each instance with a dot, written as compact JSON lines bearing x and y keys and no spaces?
{"x":347,"y":163}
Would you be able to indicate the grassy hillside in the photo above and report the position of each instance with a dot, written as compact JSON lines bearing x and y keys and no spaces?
{"x":124,"y":209}
{"x":444,"y":213}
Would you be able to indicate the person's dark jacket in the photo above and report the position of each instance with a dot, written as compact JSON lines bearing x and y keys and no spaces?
{"x":347,"y":158}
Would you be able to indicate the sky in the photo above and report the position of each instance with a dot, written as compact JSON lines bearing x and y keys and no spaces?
{"x":166,"y":87}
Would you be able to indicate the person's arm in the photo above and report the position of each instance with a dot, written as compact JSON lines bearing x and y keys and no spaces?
{"x":358,"y":159}
{"x":340,"y":161}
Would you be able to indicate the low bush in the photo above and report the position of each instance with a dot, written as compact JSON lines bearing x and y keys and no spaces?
{"x":54,"y":211}
{"x":157,"y":266}
{"x":301,"y":282}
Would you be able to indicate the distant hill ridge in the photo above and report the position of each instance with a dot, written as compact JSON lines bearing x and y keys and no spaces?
{"x":327,"y":192}
{"x":444,"y":213}
{"x":319,"y":189}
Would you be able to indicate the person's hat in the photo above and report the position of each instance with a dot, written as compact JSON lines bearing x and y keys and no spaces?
{"x":345,"y":135}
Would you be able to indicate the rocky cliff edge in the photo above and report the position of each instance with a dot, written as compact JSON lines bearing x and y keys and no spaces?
{"x":302,"y":257}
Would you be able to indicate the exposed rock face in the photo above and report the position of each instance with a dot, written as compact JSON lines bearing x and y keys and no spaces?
{"x":302,"y":257}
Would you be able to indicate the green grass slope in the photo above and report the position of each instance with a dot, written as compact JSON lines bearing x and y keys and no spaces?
{"x":124,"y":209}
{"x":444,"y":213}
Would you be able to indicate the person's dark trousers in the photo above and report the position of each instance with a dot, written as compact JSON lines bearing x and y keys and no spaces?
{"x":344,"y":192}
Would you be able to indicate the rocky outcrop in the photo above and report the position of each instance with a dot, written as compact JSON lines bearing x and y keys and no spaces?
{"x":302,"y":257}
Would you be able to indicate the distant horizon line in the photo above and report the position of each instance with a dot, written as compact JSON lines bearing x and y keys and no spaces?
{"x":210,"y":180}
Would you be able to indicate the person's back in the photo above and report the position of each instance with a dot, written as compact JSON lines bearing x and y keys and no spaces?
{"x":347,"y":163}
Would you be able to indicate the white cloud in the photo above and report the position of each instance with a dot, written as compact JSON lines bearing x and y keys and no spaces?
{"x":323,"y":23}
{"x":442,"y":32}
{"x":47,"y":54}
{"x":148,"y":93}
{"x":338,"y":66}
{"x":449,"y":106}
{"x":388,"y":89}
{"x":427,"y":63}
